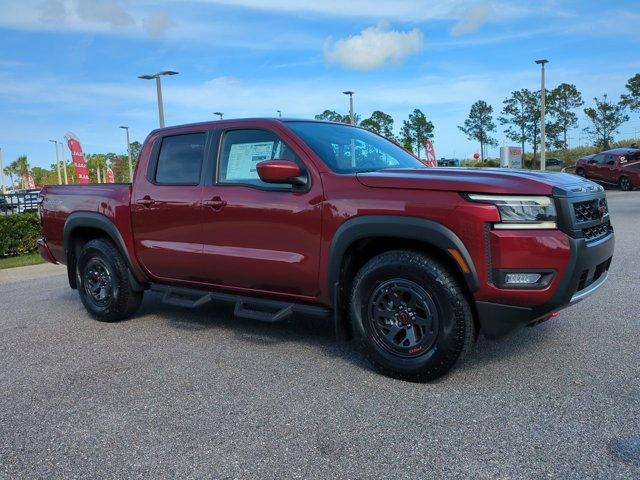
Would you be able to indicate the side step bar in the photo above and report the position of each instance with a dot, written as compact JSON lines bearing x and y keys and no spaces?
{"x":252,"y":308}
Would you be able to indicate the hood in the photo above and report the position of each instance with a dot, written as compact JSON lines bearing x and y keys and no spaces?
{"x":485,"y":180}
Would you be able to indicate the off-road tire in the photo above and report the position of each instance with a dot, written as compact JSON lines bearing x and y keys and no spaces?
{"x":455,"y":332}
{"x":101,"y":255}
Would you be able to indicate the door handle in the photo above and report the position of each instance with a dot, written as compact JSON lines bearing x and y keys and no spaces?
{"x":216,"y":203}
{"x":146,"y":201}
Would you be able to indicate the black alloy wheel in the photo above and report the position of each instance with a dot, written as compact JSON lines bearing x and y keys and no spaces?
{"x":403,"y":317}
{"x":98,"y":283}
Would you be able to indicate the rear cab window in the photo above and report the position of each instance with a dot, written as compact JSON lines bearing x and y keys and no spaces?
{"x":180,"y":159}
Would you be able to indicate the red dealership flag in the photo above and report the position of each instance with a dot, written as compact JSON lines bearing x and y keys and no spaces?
{"x":430,"y":154}
{"x":77,"y":157}
{"x":110,"y":177}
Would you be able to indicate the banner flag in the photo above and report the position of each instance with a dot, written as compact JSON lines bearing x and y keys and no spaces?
{"x":110,"y":176}
{"x":430,"y":154}
{"x":77,"y":157}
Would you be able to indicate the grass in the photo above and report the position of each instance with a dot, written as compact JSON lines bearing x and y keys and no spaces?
{"x":21,"y":260}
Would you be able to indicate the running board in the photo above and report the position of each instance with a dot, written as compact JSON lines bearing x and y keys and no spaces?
{"x":252,"y":308}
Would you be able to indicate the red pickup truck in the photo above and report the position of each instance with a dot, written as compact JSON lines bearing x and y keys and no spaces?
{"x":284,"y":217}
{"x":620,"y":166}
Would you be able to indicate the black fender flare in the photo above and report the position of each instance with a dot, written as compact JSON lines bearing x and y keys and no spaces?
{"x":99,"y":222}
{"x":410,"y":228}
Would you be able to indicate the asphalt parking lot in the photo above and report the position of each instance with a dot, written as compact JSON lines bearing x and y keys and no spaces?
{"x":198,"y":394}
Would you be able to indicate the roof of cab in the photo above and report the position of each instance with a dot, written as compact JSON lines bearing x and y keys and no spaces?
{"x":243,"y":120}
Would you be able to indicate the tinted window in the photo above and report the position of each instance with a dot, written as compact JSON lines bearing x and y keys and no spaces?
{"x":180,"y":159}
{"x":347,"y":149}
{"x":242,"y":150}
{"x":600,"y":158}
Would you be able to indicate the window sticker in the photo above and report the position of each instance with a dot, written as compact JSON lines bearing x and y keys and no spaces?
{"x":243,"y":158}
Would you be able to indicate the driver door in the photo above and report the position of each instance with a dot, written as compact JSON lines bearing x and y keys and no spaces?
{"x":260,"y":237}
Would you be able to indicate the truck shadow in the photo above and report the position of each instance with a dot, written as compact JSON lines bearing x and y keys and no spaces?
{"x":316,"y":332}
{"x":319,"y":333}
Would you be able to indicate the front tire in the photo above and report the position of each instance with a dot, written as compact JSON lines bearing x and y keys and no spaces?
{"x":103,"y":282}
{"x":410,"y":316}
{"x":581,"y":172}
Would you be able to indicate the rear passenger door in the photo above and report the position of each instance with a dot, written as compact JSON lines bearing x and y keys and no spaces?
{"x":260,"y":237}
{"x":166,"y":207}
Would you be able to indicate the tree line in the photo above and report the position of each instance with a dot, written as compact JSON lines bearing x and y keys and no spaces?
{"x":520,"y":118}
{"x":18,"y":171}
{"x":414,"y":131}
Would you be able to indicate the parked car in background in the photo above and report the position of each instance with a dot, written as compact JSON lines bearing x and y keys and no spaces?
{"x":619,"y":166}
{"x":449,"y":162}
{"x":22,"y":201}
{"x":553,"y":162}
{"x":4,"y":205}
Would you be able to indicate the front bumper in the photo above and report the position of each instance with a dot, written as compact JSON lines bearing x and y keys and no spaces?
{"x":587,"y":272}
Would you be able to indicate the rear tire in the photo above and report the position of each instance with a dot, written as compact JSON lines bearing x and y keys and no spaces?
{"x":410,"y":316}
{"x":625,"y":184}
{"x":103,"y":282}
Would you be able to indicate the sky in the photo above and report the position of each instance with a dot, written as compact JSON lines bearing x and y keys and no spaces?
{"x":72,"y":65}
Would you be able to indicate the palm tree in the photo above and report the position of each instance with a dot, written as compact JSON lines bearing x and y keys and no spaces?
{"x":9,"y":171}
{"x":21,"y":167}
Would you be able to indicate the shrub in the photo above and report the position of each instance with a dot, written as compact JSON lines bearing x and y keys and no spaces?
{"x":18,"y":234}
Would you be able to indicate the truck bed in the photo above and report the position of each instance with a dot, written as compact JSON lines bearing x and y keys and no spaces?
{"x":60,"y":201}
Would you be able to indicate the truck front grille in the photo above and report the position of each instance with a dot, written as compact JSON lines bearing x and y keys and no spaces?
{"x":590,"y":210}
{"x":597,"y":231}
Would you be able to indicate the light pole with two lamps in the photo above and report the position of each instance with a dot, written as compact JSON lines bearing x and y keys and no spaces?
{"x":350,"y":93}
{"x":159,"y":90}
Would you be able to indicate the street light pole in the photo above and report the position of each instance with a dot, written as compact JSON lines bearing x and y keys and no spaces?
{"x":55,"y":145}
{"x":543,"y":144}
{"x":157,"y":76}
{"x":350,"y":93}
{"x":219,"y":114}
{"x":129,"y":153}
{"x":1,"y":173}
{"x":160,"y":105}
{"x":64,"y":163}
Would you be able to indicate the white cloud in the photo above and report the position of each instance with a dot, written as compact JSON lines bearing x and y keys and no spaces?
{"x":401,"y":10}
{"x":374,"y":47}
{"x":472,"y":19}
{"x":157,"y":24}
{"x":52,"y":11}
{"x":103,"y":11}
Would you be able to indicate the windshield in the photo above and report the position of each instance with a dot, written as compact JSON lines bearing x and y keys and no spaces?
{"x":347,"y":149}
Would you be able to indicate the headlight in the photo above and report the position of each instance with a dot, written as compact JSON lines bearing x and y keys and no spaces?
{"x":518,"y":212}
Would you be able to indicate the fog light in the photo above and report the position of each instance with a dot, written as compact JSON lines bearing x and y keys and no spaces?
{"x":521,"y":278}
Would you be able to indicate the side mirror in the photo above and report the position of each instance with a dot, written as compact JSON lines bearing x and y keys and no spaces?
{"x":281,"y":171}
